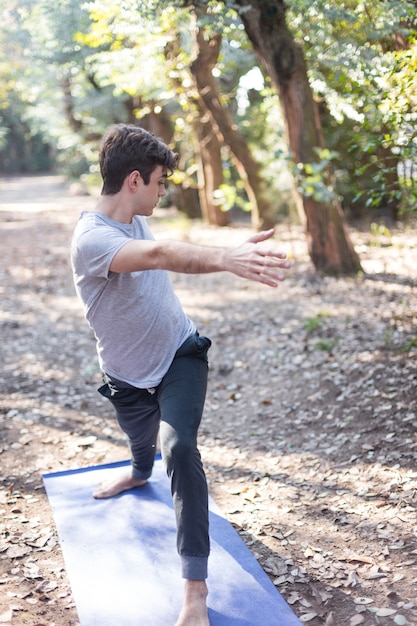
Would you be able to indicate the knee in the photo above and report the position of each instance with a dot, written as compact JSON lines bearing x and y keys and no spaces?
{"x":177,"y":452}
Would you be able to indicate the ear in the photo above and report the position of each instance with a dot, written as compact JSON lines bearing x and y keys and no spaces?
{"x":134,"y":180}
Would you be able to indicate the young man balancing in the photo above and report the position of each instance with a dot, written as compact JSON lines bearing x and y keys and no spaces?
{"x":153,"y":359}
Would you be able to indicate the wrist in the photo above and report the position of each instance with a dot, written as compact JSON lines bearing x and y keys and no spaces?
{"x":223,"y":259}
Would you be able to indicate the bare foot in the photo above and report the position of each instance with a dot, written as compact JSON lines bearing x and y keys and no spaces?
{"x":116,"y":486}
{"x":194,"y":609}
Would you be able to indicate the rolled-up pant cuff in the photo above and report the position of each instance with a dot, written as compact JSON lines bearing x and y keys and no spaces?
{"x":138,"y":475}
{"x":194,"y":567}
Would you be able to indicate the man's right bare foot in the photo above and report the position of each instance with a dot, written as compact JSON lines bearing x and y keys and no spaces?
{"x":118,"y":485}
{"x":194,"y":610}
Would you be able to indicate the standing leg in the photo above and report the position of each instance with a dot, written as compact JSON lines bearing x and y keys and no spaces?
{"x":181,"y":397}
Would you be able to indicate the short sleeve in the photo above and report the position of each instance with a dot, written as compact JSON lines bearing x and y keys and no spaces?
{"x":96,"y":249}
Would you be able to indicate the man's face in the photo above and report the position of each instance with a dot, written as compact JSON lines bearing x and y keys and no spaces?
{"x":148,"y":195}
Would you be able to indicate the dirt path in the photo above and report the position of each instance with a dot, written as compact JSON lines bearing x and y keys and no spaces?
{"x":309,"y":436}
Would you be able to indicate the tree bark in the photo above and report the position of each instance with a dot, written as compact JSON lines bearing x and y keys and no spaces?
{"x":390,"y":164}
{"x":207,"y":52}
{"x":207,"y":149}
{"x":210,"y":169}
{"x":74,"y":123}
{"x":330,"y":248}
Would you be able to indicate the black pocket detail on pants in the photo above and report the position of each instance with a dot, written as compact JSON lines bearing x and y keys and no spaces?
{"x":202,"y":343}
{"x":106,"y":391}
{"x":194,"y":345}
{"x":120,"y":395}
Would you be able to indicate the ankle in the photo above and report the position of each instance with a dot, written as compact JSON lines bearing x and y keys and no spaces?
{"x":196,"y":588}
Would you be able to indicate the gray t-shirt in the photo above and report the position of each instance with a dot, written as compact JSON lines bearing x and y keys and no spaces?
{"x":136,"y":317}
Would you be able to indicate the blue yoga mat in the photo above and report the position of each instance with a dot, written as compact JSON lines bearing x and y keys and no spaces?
{"x":122,"y":562}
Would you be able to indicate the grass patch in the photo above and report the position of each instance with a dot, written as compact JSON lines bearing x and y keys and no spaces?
{"x":314,"y":323}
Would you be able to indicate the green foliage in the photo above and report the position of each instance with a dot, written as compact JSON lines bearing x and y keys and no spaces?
{"x":410,"y":345}
{"x":312,"y":178}
{"x":368,"y":94}
{"x":380,"y":230}
{"x":22,"y":149}
{"x":388,"y":135}
{"x":26,"y":143}
{"x":327,"y":345}
{"x":314,"y":323}
{"x":232,"y":197}
{"x":260,"y":121}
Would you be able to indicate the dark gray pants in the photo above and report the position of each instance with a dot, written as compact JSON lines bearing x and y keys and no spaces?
{"x":175,"y":408}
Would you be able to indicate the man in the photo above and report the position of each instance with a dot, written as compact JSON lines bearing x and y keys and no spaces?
{"x":153,"y":359}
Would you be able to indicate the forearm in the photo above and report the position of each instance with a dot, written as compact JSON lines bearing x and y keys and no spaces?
{"x":174,"y":256}
{"x":188,"y":258}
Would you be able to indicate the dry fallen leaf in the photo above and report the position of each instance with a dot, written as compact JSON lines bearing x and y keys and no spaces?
{"x":293,"y":598}
{"x":352,"y":579}
{"x":6,"y":616}
{"x":16,"y":551}
{"x":307,"y":617}
{"x":363,"y":601}
{"x":362,"y":558}
{"x":385,"y":612}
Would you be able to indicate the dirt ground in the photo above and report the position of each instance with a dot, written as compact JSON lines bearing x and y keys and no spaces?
{"x":309,"y":437}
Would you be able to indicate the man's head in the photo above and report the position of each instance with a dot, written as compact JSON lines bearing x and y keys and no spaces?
{"x":126,"y":148}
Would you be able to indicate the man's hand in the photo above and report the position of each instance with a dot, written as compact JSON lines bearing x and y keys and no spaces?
{"x":252,"y":262}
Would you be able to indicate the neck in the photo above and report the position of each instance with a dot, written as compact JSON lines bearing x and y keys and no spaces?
{"x":113,"y":207}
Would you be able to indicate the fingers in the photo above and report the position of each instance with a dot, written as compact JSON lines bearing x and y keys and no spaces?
{"x":268,"y":268}
{"x":250,"y":261}
{"x":270,"y":279}
{"x":269,"y":276}
{"x":262,"y":236}
{"x":276,"y":255}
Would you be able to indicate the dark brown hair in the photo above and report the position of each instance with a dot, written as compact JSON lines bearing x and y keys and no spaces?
{"x":125,"y":148}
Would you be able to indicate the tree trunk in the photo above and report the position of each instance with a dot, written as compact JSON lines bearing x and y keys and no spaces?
{"x":210,"y":169}
{"x":74,"y":123}
{"x":207,"y":149}
{"x":330,"y":248}
{"x":207,"y":52}
{"x":390,"y":163}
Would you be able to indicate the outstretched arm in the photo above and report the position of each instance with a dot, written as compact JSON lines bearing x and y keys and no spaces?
{"x":247,"y":261}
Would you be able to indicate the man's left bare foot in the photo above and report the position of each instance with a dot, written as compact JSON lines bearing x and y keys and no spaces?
{"x":194,"y":610}
{"x":118,"y":485}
